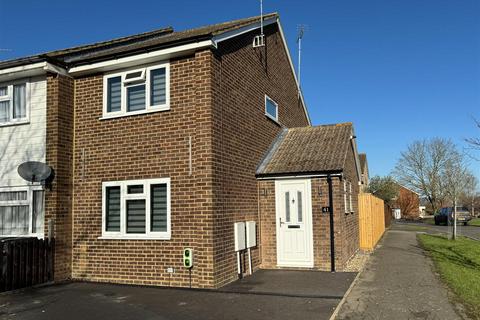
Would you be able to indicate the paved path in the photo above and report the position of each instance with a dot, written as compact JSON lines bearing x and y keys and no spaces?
{"x":398,"y":283}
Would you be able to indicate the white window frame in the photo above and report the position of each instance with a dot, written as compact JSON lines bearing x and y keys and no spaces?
{"x":124,"y":196}
{"x":9,"y":97}
{"x":29,"y":203}
{"x":268,"y":115}
{"x":143,"y":79}
{"x":345,"y":197}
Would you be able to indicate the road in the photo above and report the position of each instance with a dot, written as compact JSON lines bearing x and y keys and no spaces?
{"x":469,"y":231}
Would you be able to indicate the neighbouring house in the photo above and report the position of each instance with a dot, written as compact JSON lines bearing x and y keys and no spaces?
{"x":36,"y":124}
{"x":294,"y":180}
{"x":407,"y":204}
{"x":162,"y":141}
{"x":364,"y":171}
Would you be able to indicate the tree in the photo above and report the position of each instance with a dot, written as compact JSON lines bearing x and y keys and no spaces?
{"x":456,"y":177}
{"x":421,"y":166}
{"x":383,"y":187}
{"x":469,"y":197}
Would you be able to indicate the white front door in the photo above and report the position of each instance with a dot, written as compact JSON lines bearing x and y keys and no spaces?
{"x":294,"y":223}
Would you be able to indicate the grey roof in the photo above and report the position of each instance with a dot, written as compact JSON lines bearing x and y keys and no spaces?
{"x":160,"y":38}
{"x":308,"y":150}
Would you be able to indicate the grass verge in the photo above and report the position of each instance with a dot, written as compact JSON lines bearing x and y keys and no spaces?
{"x":474,"y":222}
{"x":458,"y":263}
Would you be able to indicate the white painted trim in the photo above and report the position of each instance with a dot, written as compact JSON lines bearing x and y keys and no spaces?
{"x":240,"y":31}
{"x":30,"y":70}
{"x":122,"y":234}
{"x":269,"y":115}
{"x":149,"y":108}
{"x":282,"y":34}
{"x":143,"y":58}
{"x":28,"y":67}
{"x":308,"y":214}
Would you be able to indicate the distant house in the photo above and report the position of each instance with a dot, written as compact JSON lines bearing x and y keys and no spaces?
{"x":407,"y":204}
{"x":365,"y":178}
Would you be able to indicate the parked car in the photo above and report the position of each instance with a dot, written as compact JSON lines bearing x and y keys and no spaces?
{"x":445,"y":216}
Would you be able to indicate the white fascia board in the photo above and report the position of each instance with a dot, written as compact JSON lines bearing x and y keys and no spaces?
{"x":240,"y":31}
{"x":30,"y":70}
{"x":25,"y":71}
{"x":144,"y":58}
{"x":355,"y":155}
{"x":293,"y":69}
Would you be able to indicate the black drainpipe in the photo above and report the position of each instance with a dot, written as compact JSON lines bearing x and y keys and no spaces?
{"x":332,"y":231}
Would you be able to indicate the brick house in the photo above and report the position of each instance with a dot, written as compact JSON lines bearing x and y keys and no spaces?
{"x":364,"y":170}
{"x":155,"y":140}
{"x":407,"y":203}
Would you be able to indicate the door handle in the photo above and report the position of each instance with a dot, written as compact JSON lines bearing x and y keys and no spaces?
{"x":280,"y":221}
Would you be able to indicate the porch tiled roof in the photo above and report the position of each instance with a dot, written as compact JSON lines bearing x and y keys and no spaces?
{"x":320,"y":149}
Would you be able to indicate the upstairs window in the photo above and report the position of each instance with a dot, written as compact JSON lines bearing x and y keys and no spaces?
{"x":13,"y":103}
{"x":271,"y":108}
{"x":138,"y":209}
{"x":137,"y":91}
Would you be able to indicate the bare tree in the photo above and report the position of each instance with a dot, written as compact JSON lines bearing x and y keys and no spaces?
{"x":421,"y":166}
{"x":471,"y":192}
{"x":455,"y":180}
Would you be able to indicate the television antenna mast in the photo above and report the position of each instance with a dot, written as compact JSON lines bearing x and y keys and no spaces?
{"x":259,"y":41}
{"x":301,"y":28}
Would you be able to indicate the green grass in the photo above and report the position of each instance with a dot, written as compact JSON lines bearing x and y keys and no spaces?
{"x":458,"y":263}
{"x":474,"y":222}
{"x":428,"y":221}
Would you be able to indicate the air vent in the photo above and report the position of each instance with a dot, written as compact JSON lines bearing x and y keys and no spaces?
{"x":259,"y":41}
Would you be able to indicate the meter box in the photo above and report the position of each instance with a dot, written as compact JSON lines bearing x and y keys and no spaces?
{"x":239,"y":234}
{"x":251,"y":233}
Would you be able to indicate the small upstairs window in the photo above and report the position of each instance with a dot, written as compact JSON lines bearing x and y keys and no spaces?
{"x":137,"y":91}
{"x":271,"y":108}
{"x":13,"y":103}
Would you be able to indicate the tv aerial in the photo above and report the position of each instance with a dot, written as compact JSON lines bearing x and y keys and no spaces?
{"x":35,"y":171}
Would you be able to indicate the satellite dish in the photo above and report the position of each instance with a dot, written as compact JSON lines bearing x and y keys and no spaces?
{"x":34,"y":171}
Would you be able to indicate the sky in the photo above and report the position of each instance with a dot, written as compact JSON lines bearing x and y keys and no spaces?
{"x":399,"y":70}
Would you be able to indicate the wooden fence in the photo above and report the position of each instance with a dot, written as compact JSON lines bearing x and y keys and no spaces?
{"x":25,"y":262}
{"x":372,"y":220}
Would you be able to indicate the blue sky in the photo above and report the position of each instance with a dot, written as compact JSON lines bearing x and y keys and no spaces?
{"x":400,"y":70}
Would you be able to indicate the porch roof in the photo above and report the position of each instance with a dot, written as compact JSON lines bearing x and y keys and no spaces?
{"x":308,"y":150}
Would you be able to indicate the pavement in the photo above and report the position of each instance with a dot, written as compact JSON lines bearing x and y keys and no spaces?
{"x":397,"y":283}
{"x":468,"y":231}
{"x":268,"y":294}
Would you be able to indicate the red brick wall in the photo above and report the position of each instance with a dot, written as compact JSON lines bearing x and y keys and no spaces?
{"x":408,"y":202}
{"x":59,"y":157}
{"x":242,"y":132}
{"x":153,"y":145}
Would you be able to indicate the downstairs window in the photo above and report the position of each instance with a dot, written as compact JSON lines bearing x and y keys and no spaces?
{"x":22,"y":212}
{"x":136,"y":209}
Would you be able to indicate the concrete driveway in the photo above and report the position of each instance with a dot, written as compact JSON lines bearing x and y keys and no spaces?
{"x":265,"y":295}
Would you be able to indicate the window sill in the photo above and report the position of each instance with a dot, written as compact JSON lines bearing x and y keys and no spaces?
{"x":15,"y":123}
{"x":135,"y":237}
{"x":272,"y":118}
{"x":134,"y":113}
